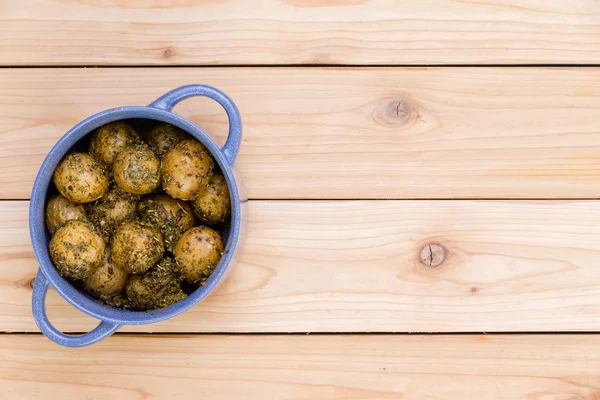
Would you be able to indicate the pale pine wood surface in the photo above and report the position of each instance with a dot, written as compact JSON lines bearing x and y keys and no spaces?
{"x":161,"y":32}
{"x":353,"y":266}
{"x":548,"y":367}
{"x":345,"y":132}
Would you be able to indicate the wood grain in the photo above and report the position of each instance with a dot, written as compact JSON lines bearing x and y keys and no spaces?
{"x":345,"y":133}
{"x":548,"y":367}
{"x":353,"y":266}
{"x":216,"y":32}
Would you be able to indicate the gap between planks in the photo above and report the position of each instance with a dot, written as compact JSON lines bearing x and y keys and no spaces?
{"x":304,"y":66}
{"x":357,"y":333}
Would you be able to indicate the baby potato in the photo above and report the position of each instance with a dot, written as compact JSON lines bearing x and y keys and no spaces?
{"x":157,"y":288}
{"x":76,"y":250}
{"x":111,"y":139}
{"x":108,"y":280}
{"x":136,"y":247}
{"x":186,"y":169}
{"x":80,"y":178}
{"x":171,"y":216}
{"x":213,"y":206}
{"x":163,"y":137}
{"x":60,"y":210}
{"x":111,"y":210}
{"x":197,"y":253}
{"x":118,"y":301}
{"x":137,"y":170}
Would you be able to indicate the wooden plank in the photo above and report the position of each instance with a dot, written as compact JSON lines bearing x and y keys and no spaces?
{"x":353,"y":266}
{"x":305,"y":367}
{"x":345,"y":133}
{"x":158,"y":32}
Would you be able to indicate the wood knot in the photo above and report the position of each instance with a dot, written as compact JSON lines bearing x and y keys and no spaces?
{"x":394,"y":112}
{"x":432,"y":255}
{"x":168,"y":53}
{"x":26,"y":283}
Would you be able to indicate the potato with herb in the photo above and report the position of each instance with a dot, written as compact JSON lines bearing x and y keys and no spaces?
{"x":111,"y":210}
{"x":118,"y":301}
{"x":108,"y":280}
{"x":80,"y":178}
{"x":164,"y":136}
{"x":76,"y":250}
{"x":111,"y":139}
{"x":136,"y":247}
{"x":186,"y":169}
{"x":171,"y":216}
{"x":137,"y":170}
{"x":213,"y":206}
{"x":197,"y":253}
{"x":157,"y":288}
{"x":60,"y":210}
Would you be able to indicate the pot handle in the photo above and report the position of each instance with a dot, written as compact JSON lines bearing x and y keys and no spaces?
{"x":40,"y":289}
{"x":168,"y":100}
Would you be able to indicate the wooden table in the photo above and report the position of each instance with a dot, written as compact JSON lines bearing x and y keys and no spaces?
{"x":374,"y":131}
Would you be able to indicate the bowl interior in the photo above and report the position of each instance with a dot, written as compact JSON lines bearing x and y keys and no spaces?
{"x":72,"y":292}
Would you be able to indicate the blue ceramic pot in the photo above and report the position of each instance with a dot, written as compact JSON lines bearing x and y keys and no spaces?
{"x":112,"y":318}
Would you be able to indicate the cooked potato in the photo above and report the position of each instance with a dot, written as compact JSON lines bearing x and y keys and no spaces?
{"x":108,"y":280}
{"x":157,"y":288}
{"x":171,"y":216}
{"x":136,"y":247}
{"x":197,"y":253}
{"x":186,"y":169}
{"x":118,"y":301}
{"x":111,"y":139}
{"x":213,"y":206}
{"x":60,"y":210}
{"x":111,"y":210}
{"x":163,"y":137}
{"x":137,"y":170}
{"x":80,"y":178}
{"x":76,"y":250}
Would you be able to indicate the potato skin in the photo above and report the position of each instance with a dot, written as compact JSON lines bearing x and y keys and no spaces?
{"x":171,"y":216}
{"x":186,"y":169}
{"x":111,"y":210}
{"x":108,"y":280}
{"x":157,"y":288}
{"x":111,"y":139}
{"x":213,"y":205}
{"x":164,"y":137}
{"x":80,"y":178}
{"x":197,"y":253}
{"x":76,"y":250}
{"x":136,"y":247}
{"x":60,"y":210}
{"x":137,"y":170}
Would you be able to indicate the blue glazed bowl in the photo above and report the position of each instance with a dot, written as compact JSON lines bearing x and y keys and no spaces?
{"x":111,"y":318}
